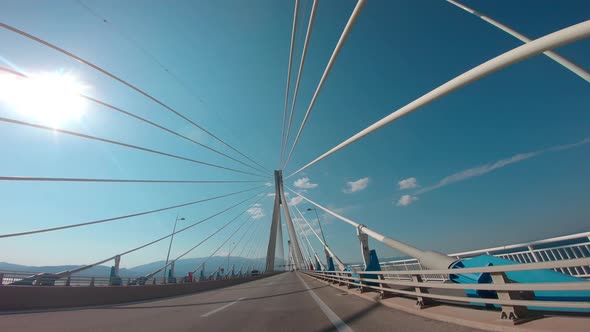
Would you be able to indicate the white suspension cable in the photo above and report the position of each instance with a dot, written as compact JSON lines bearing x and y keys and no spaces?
{"x":137,"y":117}
{"x":207,"y":238}
{"x":430,"y":259}
{"x":353,"y":17}
{"x":255,"y":231}
{"x":315,"y":254}
{"x":262,"y":235}
{"x":244,"y":235}
{"x":307,"y":256}
{"x":299,"y":74}
{"x":337,"y":260}
{"x":122,"y":217}
{"x":308,"y":249}
{"x":124,"y":82}
{"x":86,"y":267}
{"x":224,"y":242}
{"x":556,"y":39}
{"x":576,"y":69}
{"x":293,"y":33}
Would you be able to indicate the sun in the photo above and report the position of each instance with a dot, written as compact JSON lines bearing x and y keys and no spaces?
{"x":53,"y":99}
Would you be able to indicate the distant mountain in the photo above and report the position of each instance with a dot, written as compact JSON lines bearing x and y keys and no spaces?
{"x":182,"y":266}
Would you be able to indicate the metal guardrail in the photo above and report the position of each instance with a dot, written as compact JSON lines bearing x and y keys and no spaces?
{"x":514,"y":298}
{"x":547,"y":250}
{"x":18,"y":278}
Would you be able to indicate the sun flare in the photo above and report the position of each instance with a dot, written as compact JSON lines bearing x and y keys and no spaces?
{"x":51,"y":98}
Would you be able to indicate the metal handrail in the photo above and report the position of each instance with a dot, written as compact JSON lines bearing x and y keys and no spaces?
{"x":528,"y":253}
{"x":502,"y":286}
{"x":525,"y":244}
{"x":34,"y":278}
{"x":487,"y":269}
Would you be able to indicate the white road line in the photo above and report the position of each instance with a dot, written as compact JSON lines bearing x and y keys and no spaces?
{"x":336,"y":321}
{"x":222,"y":307}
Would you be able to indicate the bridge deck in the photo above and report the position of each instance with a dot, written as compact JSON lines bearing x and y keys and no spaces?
{"x":277,"y":303}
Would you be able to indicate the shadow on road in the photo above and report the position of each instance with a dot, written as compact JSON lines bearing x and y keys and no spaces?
{"x":273,"y":285}
{"x":133,"y":307}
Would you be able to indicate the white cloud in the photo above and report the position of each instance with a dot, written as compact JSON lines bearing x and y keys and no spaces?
{"x":406,"y":200}
{"x":270,"y":195}
{"x":268,"y":184}
{"x":309,"y":232}
{"x":295,"y":200}
{"x":306,"y":229}
{"x":304,"y":183}
{"x":408,"y":183}
{"x":256,"y":211}
{"x":480,"y":170}
{"x":354,"y":186}
{"x":486,"y":168}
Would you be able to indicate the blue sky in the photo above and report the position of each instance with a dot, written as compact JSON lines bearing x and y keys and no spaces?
{"x":490,"y":164}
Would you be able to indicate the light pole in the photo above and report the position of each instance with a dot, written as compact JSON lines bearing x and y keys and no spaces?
{"x":170,"y":246}
{"x":323,"y":237}
{"x":228,"y":254}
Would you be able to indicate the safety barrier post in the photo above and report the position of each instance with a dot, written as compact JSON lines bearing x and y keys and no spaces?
{"x":510,"y":313}
{"x":421,"y":302}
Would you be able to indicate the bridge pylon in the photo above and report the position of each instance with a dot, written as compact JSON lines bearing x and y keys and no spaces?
{"x":276,"y":229}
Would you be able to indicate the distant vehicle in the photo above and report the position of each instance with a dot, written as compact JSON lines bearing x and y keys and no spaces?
{"x":255,"y":272}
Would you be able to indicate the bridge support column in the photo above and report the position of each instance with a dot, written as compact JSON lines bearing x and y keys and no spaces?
{"x":371,"y":263}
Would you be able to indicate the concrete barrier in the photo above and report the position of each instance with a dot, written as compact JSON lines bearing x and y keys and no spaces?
{"x":49,"y":297}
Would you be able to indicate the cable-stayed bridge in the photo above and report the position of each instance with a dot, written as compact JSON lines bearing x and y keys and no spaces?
{"x":539,"y":285}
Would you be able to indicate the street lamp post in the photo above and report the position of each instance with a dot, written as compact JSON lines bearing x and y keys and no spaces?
{"x":170,"y":247}
{"x":322,"y":232}
{"x":228,"y":254}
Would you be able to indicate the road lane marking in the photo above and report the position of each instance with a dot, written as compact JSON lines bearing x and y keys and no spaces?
{"x":336,"y":321}
{"x":222,"y":307}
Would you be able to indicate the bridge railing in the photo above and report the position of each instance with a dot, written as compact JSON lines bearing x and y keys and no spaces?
{"x":567,"y":247}
{"x":19,"y":278}
{"x":40,"y":278}
{"x":513,"y":298}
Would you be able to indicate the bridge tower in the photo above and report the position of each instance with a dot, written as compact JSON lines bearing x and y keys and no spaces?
{"x":276,"y":229}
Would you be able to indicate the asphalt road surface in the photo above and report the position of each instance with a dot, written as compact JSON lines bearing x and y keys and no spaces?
{"x":285,"y":302}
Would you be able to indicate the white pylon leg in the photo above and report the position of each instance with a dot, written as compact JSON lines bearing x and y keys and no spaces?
{"x":276,"y":229}
{"x":280,"y":251}
{"x":295,"y":248}
{"x":276,"y":222}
